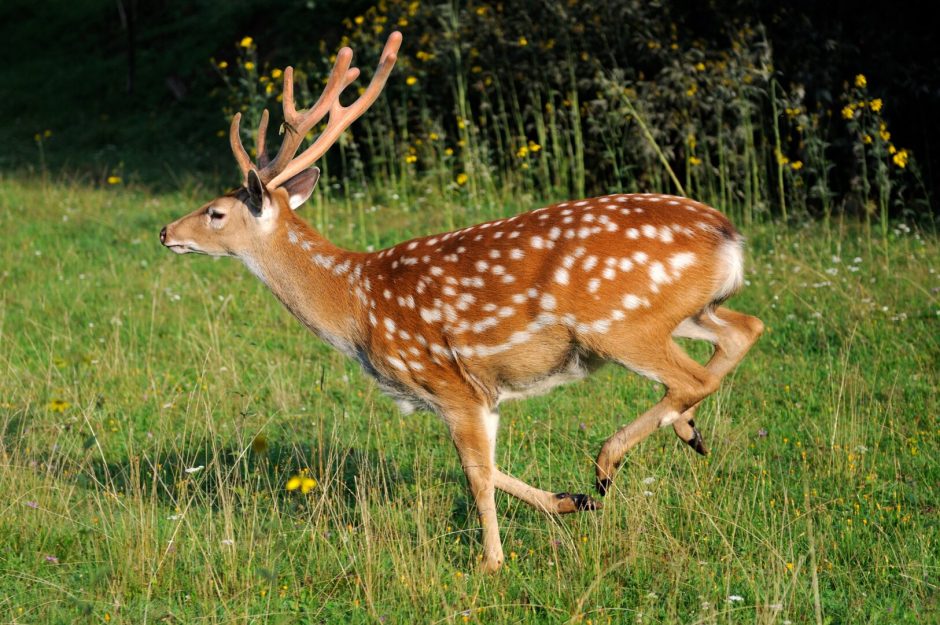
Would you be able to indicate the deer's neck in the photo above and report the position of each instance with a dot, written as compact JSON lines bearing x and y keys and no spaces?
{"x":314,"y":279}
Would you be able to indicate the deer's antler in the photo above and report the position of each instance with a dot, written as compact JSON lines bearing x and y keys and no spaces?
{"x":298,"y":123}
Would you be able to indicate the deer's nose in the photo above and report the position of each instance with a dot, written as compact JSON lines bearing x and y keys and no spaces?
{"x":163,"y":235}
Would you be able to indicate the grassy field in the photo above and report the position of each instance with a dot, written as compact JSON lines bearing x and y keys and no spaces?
{"x":153,"y":408}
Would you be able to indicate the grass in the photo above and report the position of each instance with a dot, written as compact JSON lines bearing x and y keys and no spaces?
{"x":152,"y":409}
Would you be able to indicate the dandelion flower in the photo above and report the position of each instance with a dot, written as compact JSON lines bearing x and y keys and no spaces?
{"x":523,"y":42}
{"x":735,"y":598}
{"x":276,"y":73}
{"x":900,"y":158}
{"x":876,"y":104}
{"x":249,"y":66}
{"x":411,"y":81}
{"x":294,"y":483}
{"x":462,"y":179}
{"x":796,"y":165}
{"x":246,"y":42}
{"x":222,"y":64}
{"x":848,"y":111}
{"x":534,"y":147}
{"x":695,"y":161}
{"x":860,"y":81}
{"x":58,"y":405}
{"x":307,"y":484}
{"x":114,"y":180}
{"x":411,"y":158}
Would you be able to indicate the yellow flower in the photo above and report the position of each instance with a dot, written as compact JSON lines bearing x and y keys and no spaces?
{"x":522,"y":152}
{"x":782,"y":158}
{"x":700,"y":67}
{"x":481,"y":10}
{"x":307,"y":484}
{"x":57,"y":405}
{"x":411,"y":158}
{"x":246,"y":42}
{"x":900,"y":158}
{"x":294,"y":483}
{"x":276,"y":73}
{"x":249,"y":66}
{"x":462,"y":179}
{"x":433,"y":136}
{"x":359,"y":20}
{"x":449,"y":152}
{"x":402,"y":21}
{"x":476,"y":69}
{"x":860,"y":81}
{"x":691,"y":91}
{"x":534,"y":147}
{"x":47,"y":133}
{"x":114,"y":180}
{"x":523,"y":42}
{"x":411,"y":80}
{"x":876,"y":104}
{"x":789,"y":566}
{"x":695,"y":161}
{"x":223,"y":64}
{"x":797,"y":165}
{"x":848,"y":111}
{"x":269,"y":88}
{"x":866,"y":139}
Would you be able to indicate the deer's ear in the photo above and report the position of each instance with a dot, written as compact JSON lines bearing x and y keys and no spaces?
{"x":300,"y":187}
{"x":256,"y":192}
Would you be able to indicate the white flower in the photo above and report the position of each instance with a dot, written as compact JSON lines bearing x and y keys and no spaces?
{"x":649,"y":480}
{"x":174,"y":517}
{"x":735,"y":598}
{"x":228,"y":542}
{"x":195,"y":469}
{"x":648,"y":493}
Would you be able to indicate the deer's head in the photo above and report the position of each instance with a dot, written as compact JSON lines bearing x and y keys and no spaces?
{"x":239,"y":222}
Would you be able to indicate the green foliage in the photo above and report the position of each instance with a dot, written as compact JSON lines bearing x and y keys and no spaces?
{"x":593,"y":97}
{"x":126,"y":369}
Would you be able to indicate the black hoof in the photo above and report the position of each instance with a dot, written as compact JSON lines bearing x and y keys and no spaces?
{"x":581,"y":502}
{"x":603,"y":486}
{"x":696,"y":441}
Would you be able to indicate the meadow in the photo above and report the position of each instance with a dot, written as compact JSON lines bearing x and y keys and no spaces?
{"x":154,"y":410}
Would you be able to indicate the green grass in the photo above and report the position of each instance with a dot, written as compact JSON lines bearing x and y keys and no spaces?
{"x":122,"y":365}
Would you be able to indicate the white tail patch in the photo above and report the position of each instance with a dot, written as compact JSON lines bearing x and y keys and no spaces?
{"x":730,"y":271}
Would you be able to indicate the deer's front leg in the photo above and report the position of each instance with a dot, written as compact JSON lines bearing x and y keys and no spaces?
{"x":473,"y":430}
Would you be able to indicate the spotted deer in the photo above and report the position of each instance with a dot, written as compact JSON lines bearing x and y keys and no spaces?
{"x":457,"y":323}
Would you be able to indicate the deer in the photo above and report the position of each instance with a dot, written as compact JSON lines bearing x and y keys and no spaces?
{"x":459,"y":322}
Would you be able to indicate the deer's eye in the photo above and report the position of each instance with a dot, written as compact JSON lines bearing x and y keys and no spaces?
{"x":215,"y":213}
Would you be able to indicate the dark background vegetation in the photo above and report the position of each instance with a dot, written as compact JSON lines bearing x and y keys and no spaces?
{"x":127,"y":84}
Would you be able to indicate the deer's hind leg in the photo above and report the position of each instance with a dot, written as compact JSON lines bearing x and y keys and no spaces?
{"x":687,"y":383}
{"x":543,"y":500}
{"x":732,"y":333}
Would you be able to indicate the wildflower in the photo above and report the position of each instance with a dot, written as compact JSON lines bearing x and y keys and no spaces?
{"x":293,"y":483}
{"x":276,"y":73}
{"x":883,"y":132}
{"x":433,"y":136}
{"x":269,"y":88}
{"x":52,"y":559}
{"x":700,"y":67}
{"x":222,"y":64}
{"x":32,"y":504}
{"x":876,"y":104}
{"x":534,"y":147}
{"x":860,"y":81}
{"x":411,"y":158}
{"x":114,"y":180}
{"x":900,"y":158}
{"x":462,"y":179}
{"x":848,"y":111}
{"x":307,"y":484}
{"x":58,"y":405}
{"x":411,"y":80}
{"x":649,"y":480}
{"x":789,"y":566}
{"x":46,"y":133}
{"x":695,"y":161}
{"x":402,"y":21}
{"x":228,"y":542}
{"x":246,"y":42}
{"x":359,"y":20}
{"x":421,"y":55}
{"x":523,"y":42}
{"x":523,"y":151}
{"x":476,"y":69}
{"x":866,"y":139}
{"x":782,"y":158}
{"x":481,"y":10}
{"x":735,"y":598}
{"x":249,"y":66}
{"x":191,"y":470}
{"x":691,"y":91}
{"x":449,"y":152}
{"x":796,"y":165}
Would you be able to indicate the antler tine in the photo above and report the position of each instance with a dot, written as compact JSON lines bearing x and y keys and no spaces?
{"x":238,"y":149}
{"x":342,"y":116}
{"x":260,"y":138}
{"x":298,"y":123}
{"x":234,"y":138}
